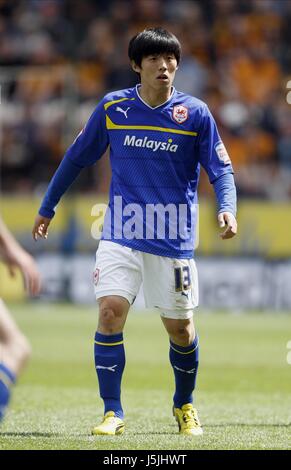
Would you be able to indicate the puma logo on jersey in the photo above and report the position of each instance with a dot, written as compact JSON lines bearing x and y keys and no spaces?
{"x":111,"y":368}
{"x":154,"y":145}
{"x":123,"y":111}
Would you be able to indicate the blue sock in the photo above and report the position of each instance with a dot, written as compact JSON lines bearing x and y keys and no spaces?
{"x":109,"y":363}
{"x":184,"y":361}
{"x":7,"y":379}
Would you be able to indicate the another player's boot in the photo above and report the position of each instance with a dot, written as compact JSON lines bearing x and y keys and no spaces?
{"x":110,"y":426}
{"x":188,"y":421}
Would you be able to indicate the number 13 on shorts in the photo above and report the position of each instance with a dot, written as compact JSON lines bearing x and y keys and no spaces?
{"x":182,"y":278}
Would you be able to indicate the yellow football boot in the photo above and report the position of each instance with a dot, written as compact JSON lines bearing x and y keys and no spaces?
{"x":188,"y":421}
{"x":110,"y":426}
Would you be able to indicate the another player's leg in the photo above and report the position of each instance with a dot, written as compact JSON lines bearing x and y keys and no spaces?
{"x":184,"y":358}
{"x":14,"y":354}
{"x":110,"y":361}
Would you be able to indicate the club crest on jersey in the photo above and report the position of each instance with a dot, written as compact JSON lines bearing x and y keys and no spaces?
{"x":180,"y":113}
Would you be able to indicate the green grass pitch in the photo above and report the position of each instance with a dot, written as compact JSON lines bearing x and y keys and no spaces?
{"x":243,"y":393}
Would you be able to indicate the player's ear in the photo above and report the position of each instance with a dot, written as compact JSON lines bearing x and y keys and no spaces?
{"x":135,"y":67}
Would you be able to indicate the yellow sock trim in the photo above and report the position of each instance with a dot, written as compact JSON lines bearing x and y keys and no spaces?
{"x":109,"y":344}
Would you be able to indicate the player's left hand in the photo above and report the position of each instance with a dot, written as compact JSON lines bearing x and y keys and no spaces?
{"x":227,"y":219}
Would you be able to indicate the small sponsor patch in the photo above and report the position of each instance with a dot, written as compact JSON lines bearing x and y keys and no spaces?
{"x":96,"y":276}
{"x":180,"y":113}
{"x":222,"y":153}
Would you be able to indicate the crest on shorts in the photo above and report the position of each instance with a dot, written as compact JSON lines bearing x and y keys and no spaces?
{"x":180,"y":113}
{"x":96,"y":276}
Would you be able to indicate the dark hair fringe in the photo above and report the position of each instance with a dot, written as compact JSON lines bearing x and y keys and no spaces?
{"x":153,"y":41}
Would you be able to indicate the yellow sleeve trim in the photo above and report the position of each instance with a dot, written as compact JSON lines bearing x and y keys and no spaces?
{"x":112,"y":126}
{"x":109,"y":344}
{"x":110,"y":103}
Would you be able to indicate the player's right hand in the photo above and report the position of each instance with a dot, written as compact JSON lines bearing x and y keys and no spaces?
{"x":18,"y":258}
{"x":30,"y":273}
{"x":40,"y":228}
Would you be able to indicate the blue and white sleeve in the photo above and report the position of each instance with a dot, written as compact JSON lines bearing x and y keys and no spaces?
{"x":215,"y":160}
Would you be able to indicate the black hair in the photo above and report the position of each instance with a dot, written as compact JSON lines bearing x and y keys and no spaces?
{"x":153,"y":41}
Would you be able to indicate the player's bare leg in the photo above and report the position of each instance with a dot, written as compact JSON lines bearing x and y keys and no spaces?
{"x":110,"y":361}
{"x":184,"y":360}
{"x":14,"y":354}
{"x":14,"y":347}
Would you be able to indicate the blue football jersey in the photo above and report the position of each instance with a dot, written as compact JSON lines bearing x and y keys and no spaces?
{"x":155,"y":156}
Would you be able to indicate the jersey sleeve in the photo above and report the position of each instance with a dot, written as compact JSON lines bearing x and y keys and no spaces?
{"x":225,"y":191}
{"x":91,"y":143}
{"x":213,"y":155}
{"x":87,"y":148}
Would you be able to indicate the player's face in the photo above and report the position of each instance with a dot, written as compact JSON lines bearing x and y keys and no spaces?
{"x":157,"y":71}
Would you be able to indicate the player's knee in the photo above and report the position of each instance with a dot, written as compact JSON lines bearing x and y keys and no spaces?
{"x":112,"y":314}
{"x":183,"y":335}
{"x":109,"y":320}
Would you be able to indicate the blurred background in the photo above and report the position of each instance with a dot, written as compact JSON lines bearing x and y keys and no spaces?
{"x":57,"y":60}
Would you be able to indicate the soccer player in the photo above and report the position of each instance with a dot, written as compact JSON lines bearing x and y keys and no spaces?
{"x":158,"y":139}
{"x":14,"y":347}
